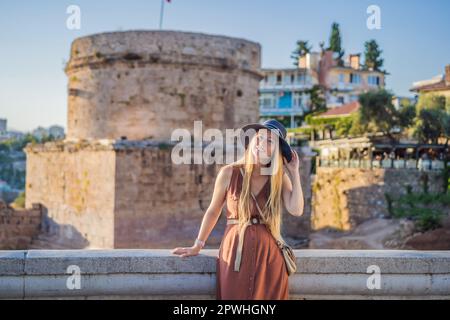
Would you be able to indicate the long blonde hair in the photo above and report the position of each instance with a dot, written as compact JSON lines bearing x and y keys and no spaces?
{"x":272,"y":210}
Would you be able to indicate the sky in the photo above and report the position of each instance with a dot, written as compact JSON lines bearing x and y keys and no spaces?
{"x":35,"y":42}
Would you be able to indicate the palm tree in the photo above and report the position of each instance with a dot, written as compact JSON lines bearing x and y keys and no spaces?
{"x":302,"y":48}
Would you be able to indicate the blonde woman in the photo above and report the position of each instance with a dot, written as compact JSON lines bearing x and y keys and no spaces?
{"x":250,"y":265}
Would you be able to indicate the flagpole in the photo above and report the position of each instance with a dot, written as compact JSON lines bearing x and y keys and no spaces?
{"x":162,"y":14}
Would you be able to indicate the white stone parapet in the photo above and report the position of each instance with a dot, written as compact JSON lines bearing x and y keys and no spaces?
{"x":158,"y":274}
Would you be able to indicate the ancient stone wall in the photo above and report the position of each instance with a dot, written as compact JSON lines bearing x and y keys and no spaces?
{"x":345,"y":197}
{"x":74,"y":182}
{"x":296,"y":230}
{"x":18,"y":226}
{"x":159,"y":204}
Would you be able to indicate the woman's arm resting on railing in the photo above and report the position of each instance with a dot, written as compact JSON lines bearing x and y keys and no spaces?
{"x":292,"y":190}
{"x":211,"y":215}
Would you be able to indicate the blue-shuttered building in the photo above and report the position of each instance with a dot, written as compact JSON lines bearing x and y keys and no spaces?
{"x":283,"y":93}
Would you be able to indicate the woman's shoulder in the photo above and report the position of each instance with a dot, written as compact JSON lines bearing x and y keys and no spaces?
{"x":228,"y":169}
{"x":226,"y":172}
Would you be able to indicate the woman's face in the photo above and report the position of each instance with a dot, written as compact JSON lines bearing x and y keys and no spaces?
{"x":264,"y":146}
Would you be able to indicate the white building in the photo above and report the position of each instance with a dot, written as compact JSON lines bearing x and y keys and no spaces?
{"x":284,"y":92}
{"x":55,"y":130}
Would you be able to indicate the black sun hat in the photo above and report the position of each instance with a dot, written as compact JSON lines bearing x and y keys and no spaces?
{"x":275,"y":127}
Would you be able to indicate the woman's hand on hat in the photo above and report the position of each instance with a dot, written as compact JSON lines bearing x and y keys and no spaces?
{"x":186,"y":252}
{"x":294,"y":165}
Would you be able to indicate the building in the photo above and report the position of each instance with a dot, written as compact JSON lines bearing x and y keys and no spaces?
{"x":40,"y":132}
{"x":56,"y":131}
{"x":11,"y":134}
{"x":284,"y":92}
{"x":439,"y":84}
{"x":343,"y":83}
{"x":344,"y":111}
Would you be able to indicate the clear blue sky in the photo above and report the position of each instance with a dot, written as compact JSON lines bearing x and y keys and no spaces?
{"x":35,"y":41}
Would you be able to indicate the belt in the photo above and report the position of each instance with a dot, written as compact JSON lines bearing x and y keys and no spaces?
{"x":237,"y":260}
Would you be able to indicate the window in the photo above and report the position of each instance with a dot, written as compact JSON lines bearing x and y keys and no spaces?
{"x":278,"y":78}
{"x":287,"y":79}
{"x":271,"y":79}
{"x":341,"y":78}
{"x":373,"y":80}
{"x":267,"y":101}
{"x":340,"y":100}
{"x":355,"y":78}
{"x":301,"y":78}
{"x":298,"y":98}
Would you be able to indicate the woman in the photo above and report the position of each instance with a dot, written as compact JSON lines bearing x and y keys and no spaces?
{"x":252,"y":267}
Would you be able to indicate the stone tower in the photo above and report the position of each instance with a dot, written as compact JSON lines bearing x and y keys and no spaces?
{"x":144,"y":84}
{"x":111,"y":183}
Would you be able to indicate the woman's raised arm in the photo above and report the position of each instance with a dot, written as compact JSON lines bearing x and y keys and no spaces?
{"x":292,"y":189}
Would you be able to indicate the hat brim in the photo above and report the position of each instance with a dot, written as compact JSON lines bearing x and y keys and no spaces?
{"x":286,"y":150}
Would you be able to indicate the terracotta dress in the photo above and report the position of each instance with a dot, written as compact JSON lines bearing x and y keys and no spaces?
{"x":262,"y":274}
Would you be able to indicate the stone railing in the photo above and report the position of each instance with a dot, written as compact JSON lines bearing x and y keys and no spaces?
{"x":158,"y":274}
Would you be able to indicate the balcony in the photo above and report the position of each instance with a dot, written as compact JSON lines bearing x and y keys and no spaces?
{"x":270,"y":87}
{"x":158,"y":274}
{"x":277,"y":111}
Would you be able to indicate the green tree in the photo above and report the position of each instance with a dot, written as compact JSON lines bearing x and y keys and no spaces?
{"x":357,"y":128}
{"x":432,"y":119}
{"x":4,"y":147}
{"x":431,"y":101}
{"x":20,"y":200}
{"x":372,"y":56}
{"x":377,"y":113}
{"x":344,"y":125}
{"x":445,"y":123}
{"x":428,"y":126}
{"x":302,"y":48}
{"x":317,"y":98}
{"x":406,"y":116}
{"x":336,"y":41}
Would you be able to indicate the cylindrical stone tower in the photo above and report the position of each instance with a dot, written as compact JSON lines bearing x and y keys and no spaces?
{"x":145,"y":84}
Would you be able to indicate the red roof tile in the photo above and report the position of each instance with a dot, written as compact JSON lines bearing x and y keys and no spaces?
{"x":344,"y":110}
{"x":441,"y":85}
